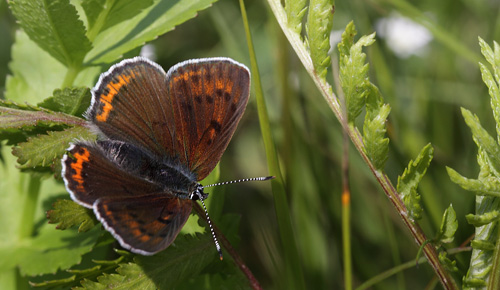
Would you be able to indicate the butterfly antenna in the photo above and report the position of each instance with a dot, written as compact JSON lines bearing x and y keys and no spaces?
{"x":217,"y":246}
{"x":263,"y":178}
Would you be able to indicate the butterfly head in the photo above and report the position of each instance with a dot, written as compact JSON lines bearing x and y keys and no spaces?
{"x":198,"y":193}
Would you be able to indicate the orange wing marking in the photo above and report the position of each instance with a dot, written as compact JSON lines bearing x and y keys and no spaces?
{"x":113,"y":89}
{"x":77,"y":166}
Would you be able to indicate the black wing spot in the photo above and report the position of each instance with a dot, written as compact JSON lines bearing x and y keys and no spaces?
{"x":166,"y":221}
{"x":215,"y":125}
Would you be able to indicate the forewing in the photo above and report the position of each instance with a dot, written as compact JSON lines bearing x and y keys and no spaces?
{"x":208,"y":98}
{"x":128,"y":103}
{"x":90,"y":175}
{"x":146,"y":224}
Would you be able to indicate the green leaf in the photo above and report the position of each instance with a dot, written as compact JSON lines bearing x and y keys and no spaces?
{"x":73,"y":101}
{"x":482,"y":245}
{"x":55,"y":283}
{"x":43,"y":249}
{"x":493,"y":91}
{"x":479,"y":220}
{"x":408,"y":182}
{"x":318,"y":27}
{"x":152,"y":22}
{"x":52,"y":250}
{"x":40,"y":249}
{"x":483,"y":140}
{"x":344,"y":46}
{"x":353,"y":71}
{"x":35,"y":73}
{"x":16,"y":119}
{"x":102,"y":15}
{"x":492,"y":57}
{"x":295,"y":11}
{"x":67,"y":213}
{"x":449,"y":225}
{"x":449,"y":264}
{"x":55,"y":26}
{"x":45,"y":150}
{"x":490,"y":188}
{"x":374,"y":129}
{"x":184,"y":259}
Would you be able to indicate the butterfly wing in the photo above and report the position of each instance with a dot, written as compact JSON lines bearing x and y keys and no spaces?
{"x":104,"y":176}
{"x":208,"y":98}
{"x":89,"y":175}
{"x":188,"y":114}
{"x":145,"y":224}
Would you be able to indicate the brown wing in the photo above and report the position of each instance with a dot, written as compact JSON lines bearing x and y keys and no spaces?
{"x":146,"y":224}
{"x":189,"y":114}
{"x":90,"y":175}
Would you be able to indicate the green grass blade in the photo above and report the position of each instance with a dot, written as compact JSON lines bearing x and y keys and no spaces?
{"x":291,"y":257}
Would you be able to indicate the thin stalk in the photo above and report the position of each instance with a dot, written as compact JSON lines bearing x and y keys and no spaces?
{"x":71,"y":73}
{"x":295,"y":278}
{"x":346,"y":237}
{"x":254,"y":283}
{"x":29,"y":208}
{"x":405,"y":266}
{"x":346,"y":192}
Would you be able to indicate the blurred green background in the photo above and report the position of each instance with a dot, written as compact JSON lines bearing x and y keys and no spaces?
{"x":425,"y":91}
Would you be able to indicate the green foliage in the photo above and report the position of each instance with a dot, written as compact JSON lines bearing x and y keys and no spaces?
{"x":157,"y":19}
{"x":484,"y":219}
{"x":484,"y":141}
{"x":67,"y":213}
{"x":25,"y":119}
{"x":102,"y":15}
{"x":374,"y":127}
{"x":353,"y":70}
{"x":295,"y":11}
{"x":72,"y":101}
{"x":486,"y":185}
{"x":318,"y":27}
{"x":185,"y":259}
{"x":449,"y":264}
{"x":55,"y":26}
{"x":34,"y":73}
{"x":411,"y":177}
{"x":47,"y":150}
{"x":449,"y":226}
{"x":48,"y":251}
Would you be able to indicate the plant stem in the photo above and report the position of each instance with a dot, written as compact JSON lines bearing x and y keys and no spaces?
{"x":254,"y":283}
{"x":69,"y":78}
{"x":29,"y":209}
{"x":399,"y":268}
{"x":292,"y":264}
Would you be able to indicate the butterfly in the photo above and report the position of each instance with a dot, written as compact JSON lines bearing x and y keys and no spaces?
{"x":160,"y":134}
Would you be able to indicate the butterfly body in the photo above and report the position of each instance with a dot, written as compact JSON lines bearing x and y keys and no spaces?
{"x":160,"y":134}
